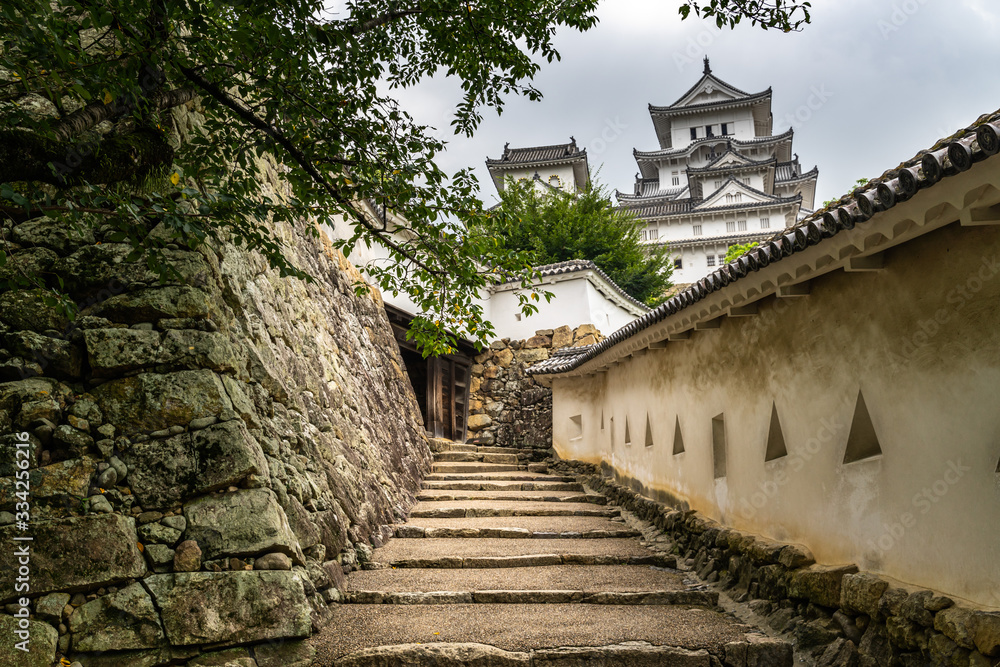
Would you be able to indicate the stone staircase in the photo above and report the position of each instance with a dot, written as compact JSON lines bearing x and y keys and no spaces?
{"x":500,"y":565}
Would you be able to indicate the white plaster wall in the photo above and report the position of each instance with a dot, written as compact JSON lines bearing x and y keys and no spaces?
{"x":575,"y":302}
{"x":605,"y":314}
{"x":740,"y":120}
{"x":926,"y":511}
{"x":361,"y":256}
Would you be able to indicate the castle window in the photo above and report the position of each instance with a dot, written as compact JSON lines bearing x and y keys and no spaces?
{"x":694,"y":133}
{"x":678,"y":263}
{"x":741,"y":225}
{"x":765,"y":223}
{"x":708,"y":131}
{"x":676,"y":180}
{"x":555,"y":181}
{"x":711,"y":260}
{"x":734,"y":198}
{"x":731,"y":226}
{"x":696,"y":230}
{"x":722,"y":260}
{"x":725,"y":129}
{"x":653,"y":233}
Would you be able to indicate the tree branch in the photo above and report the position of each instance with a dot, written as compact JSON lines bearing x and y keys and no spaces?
{"x":279,"y":137}
{"x":94,"y":113}
{"x":384,"y":19}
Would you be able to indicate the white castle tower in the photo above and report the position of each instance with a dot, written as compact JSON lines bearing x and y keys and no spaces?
{"x":720,"y":177}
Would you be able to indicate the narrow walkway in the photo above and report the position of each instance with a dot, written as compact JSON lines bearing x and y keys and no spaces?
{"x":500,"y":566}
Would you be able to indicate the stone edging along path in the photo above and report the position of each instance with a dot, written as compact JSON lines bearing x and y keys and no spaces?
{"x":835,"y":614}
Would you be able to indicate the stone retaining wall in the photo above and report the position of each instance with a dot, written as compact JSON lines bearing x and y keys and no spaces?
{"x":206,"y":457}
{"x":843,"y":617}
{"x":507,"y":407}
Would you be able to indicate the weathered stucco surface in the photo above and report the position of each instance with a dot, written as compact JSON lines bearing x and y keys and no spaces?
{"x":919,"y":339}
{"x":232,"y":438}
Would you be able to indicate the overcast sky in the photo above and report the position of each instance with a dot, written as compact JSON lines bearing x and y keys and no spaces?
{"x":866,"y":85}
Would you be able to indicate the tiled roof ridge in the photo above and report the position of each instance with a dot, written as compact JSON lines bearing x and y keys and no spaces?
{"x":706,"y":75}
{"x":550,"y":153}
{"x":756,"y":141}
{"x":675,"y":109}
{"x":710,"y":167}
{"x":948,"y":156}
{"x":685,"y":207}
{"x":702,"y":240}
{"x":806,"y":175}
{"x":574,"y":265}
{"x":661,"y":197}
{"x":744,"y":186}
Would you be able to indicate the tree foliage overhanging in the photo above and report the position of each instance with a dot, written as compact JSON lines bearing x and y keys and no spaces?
{"x":555,"y":226}
{"x":87,"y":135}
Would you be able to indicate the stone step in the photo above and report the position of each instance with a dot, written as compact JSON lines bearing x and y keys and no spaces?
{"x":486,"y":508}
{"x":502,"y":450}
{"x":472,"y":467}
{"x":445,"y":495}
{"x":550,"y":525}
{"x":510,"y":533}
{"x":464,"y":512}
{"x":526,"y":560}
{"x":586,"y":578}
{"x":513,"y":635}
{"x":501,"y":477}
{"x":570,"y":552}
{"x":460,"y":447}
{"x":694,"y":598}
{"x":475,"y":485}
{"x":473,"y":457}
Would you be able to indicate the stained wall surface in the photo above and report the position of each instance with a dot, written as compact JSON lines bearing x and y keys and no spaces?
{"x":919,"y":340}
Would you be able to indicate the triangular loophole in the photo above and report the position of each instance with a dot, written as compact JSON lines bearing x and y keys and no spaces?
{"x":863,"y":442}
{"x":678,"y":438}
{"x":775,"y":438}
{"x":649,"y":433}
{"x":628,"y":434}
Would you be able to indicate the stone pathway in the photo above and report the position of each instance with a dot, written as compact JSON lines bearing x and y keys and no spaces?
{"x":502,"y":566}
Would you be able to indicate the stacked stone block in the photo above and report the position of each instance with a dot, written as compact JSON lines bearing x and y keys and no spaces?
{"x":507,"y":407}
{"x":207,"y":455}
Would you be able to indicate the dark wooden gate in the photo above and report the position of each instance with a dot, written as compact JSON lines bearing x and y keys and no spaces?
{"x":441,"y":384}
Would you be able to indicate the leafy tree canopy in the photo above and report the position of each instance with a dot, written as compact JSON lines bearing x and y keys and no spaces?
{"x":555,"y":226}
{"x":736,"y":251}
{"x":86,"y":133}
